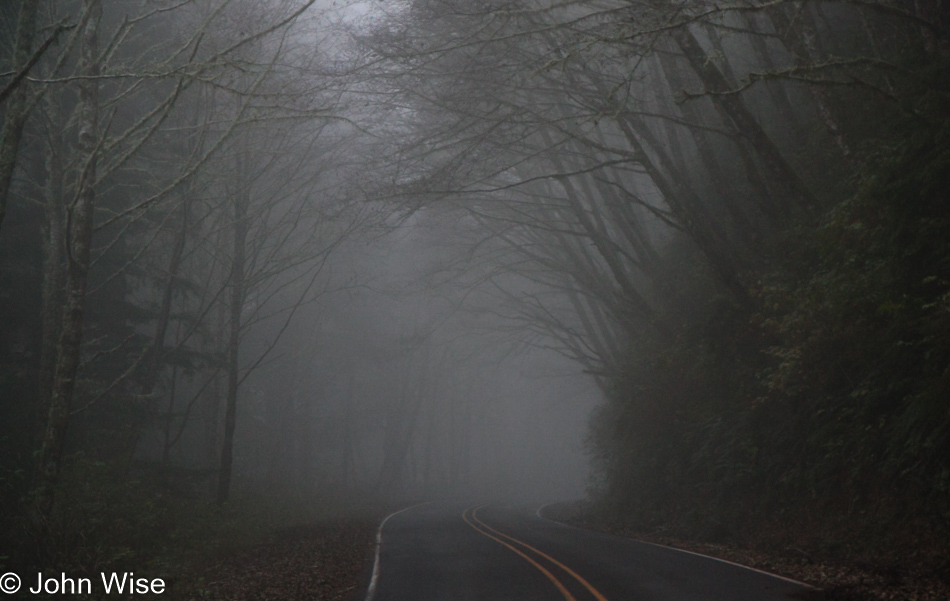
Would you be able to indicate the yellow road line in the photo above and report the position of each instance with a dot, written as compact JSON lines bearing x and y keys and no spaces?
{"x":574,"y":574}
{"x":567,"y":595}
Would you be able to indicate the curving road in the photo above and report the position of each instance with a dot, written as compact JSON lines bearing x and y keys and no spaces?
{"x":438,"y":552}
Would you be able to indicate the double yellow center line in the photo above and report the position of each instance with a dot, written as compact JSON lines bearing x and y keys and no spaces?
{"x":470,"y":516}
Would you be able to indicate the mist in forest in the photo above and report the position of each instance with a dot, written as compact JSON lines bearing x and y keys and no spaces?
{"x":389,"y":386}
{"x":253,"y":317}
{"x":683,"y":260}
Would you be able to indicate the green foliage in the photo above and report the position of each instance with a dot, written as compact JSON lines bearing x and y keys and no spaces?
{"x":827,"y":407}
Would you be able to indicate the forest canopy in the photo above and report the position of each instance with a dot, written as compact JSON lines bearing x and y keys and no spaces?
{"x":294,"y":247}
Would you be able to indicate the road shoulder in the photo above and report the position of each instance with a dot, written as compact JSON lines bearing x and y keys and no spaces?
{"x":839,"y":580}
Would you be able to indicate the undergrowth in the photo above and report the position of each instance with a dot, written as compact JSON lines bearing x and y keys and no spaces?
{"x":820,"y":418}
{"x":153,"y":522}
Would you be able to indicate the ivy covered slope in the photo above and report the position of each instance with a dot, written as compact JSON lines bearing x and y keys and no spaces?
{"x":818,"y":417}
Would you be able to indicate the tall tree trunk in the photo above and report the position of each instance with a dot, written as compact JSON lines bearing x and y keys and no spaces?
{"x":776,"y":167}
{"x":428,"y":467}
{"x":400,"y":428}
{"x":777,"y":90}
{"x":54,"y":256}
{"x":167,"y":419}
{"x":601,"y":242}
{"x":214,"y":399}
{"x":80,"y":220}
{"x":305,"y":472}
{"x":212,"y":423}
{"x":17,"y":109}
{"x":697,"y":207}
{"x":682,"y":205}
{"x":728,"y":194}
{"x":164,"y":314}
{"x":629,"y":224}
{"x":348,"y":436}
{"x":234,"y":337}
{"x":600,"y":338}
{"x":153,"y":362}
{"x":801,"y":39}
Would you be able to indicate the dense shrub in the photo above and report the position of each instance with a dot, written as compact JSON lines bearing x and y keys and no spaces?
{"x":823,"y":411}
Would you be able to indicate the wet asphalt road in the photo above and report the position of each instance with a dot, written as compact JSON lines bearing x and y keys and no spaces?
{"x":440,"y":552}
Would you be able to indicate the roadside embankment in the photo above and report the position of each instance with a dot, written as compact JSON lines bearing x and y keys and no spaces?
{"x":841,"y":579}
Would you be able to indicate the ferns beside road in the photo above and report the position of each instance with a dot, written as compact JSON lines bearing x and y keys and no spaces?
{"x":821,"y":417}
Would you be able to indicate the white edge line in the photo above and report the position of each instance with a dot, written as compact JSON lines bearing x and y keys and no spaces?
{"x":719,"y":559}
{"x":732,"y":563}
{"x":538,"y":513}
{"x":371,"y":590}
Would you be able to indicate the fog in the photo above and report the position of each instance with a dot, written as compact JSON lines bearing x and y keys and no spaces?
{"x":399,"y":380}
{"x":681,"y":260}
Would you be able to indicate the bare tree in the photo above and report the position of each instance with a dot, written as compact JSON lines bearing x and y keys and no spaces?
{"x":79,"y":217}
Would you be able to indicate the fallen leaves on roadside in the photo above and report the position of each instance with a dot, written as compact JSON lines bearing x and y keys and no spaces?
{"x":318,"y":562}
{"x":839,"y":580}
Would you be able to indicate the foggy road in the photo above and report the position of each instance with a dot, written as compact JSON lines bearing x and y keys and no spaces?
{"x":437,"y":552}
